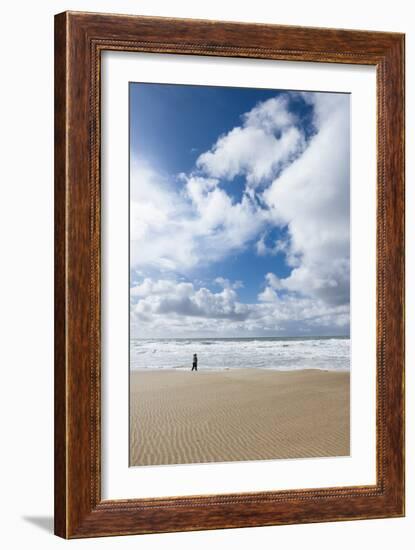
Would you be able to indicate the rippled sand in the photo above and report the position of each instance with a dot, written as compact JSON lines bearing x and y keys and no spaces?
{"x":182,"y":417}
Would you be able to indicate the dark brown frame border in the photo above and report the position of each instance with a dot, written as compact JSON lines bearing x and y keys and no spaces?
{"x":79,"y":40}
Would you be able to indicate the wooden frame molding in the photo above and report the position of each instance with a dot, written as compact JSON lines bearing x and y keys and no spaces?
{"x":79,"y":40}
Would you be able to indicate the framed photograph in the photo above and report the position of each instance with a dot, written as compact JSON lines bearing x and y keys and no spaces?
{"x":229,"y":275}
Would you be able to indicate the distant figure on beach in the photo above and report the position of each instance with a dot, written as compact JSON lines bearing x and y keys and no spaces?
{"x":194,"y":366}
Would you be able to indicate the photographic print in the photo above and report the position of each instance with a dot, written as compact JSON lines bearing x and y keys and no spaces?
{"x":239,"y":274}
{"x":214,"y":184}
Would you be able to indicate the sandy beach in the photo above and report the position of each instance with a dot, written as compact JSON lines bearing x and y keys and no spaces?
{"x":182,"y":417}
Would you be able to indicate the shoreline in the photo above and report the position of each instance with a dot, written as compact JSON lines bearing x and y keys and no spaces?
{"x":204,"y":370}
{"x":183,"y":417}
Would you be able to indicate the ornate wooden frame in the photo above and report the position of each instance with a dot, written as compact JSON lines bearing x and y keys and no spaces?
{"x":79,"y":40}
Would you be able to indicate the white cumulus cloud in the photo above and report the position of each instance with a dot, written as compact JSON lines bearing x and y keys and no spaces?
{"x":268,"y":139}
{"x":169,"y":307}
{"x":312,"y":197}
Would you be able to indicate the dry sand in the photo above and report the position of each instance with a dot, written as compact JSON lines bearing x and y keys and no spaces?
{"x":182,"y":417}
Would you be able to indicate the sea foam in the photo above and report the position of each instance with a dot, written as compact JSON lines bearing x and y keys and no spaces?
{"x":325,"y":353}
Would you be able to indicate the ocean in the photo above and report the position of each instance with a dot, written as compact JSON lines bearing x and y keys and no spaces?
{"x":325,"y":353}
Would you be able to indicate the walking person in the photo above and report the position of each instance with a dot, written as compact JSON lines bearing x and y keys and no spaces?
{"x":194,"y":366}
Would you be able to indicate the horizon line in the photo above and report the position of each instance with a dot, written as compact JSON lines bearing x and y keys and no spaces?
{"x":238,"y":337}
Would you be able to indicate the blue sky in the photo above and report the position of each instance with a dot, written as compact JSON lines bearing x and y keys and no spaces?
{"x":239,"y":211}
{"x":195,"y":116}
